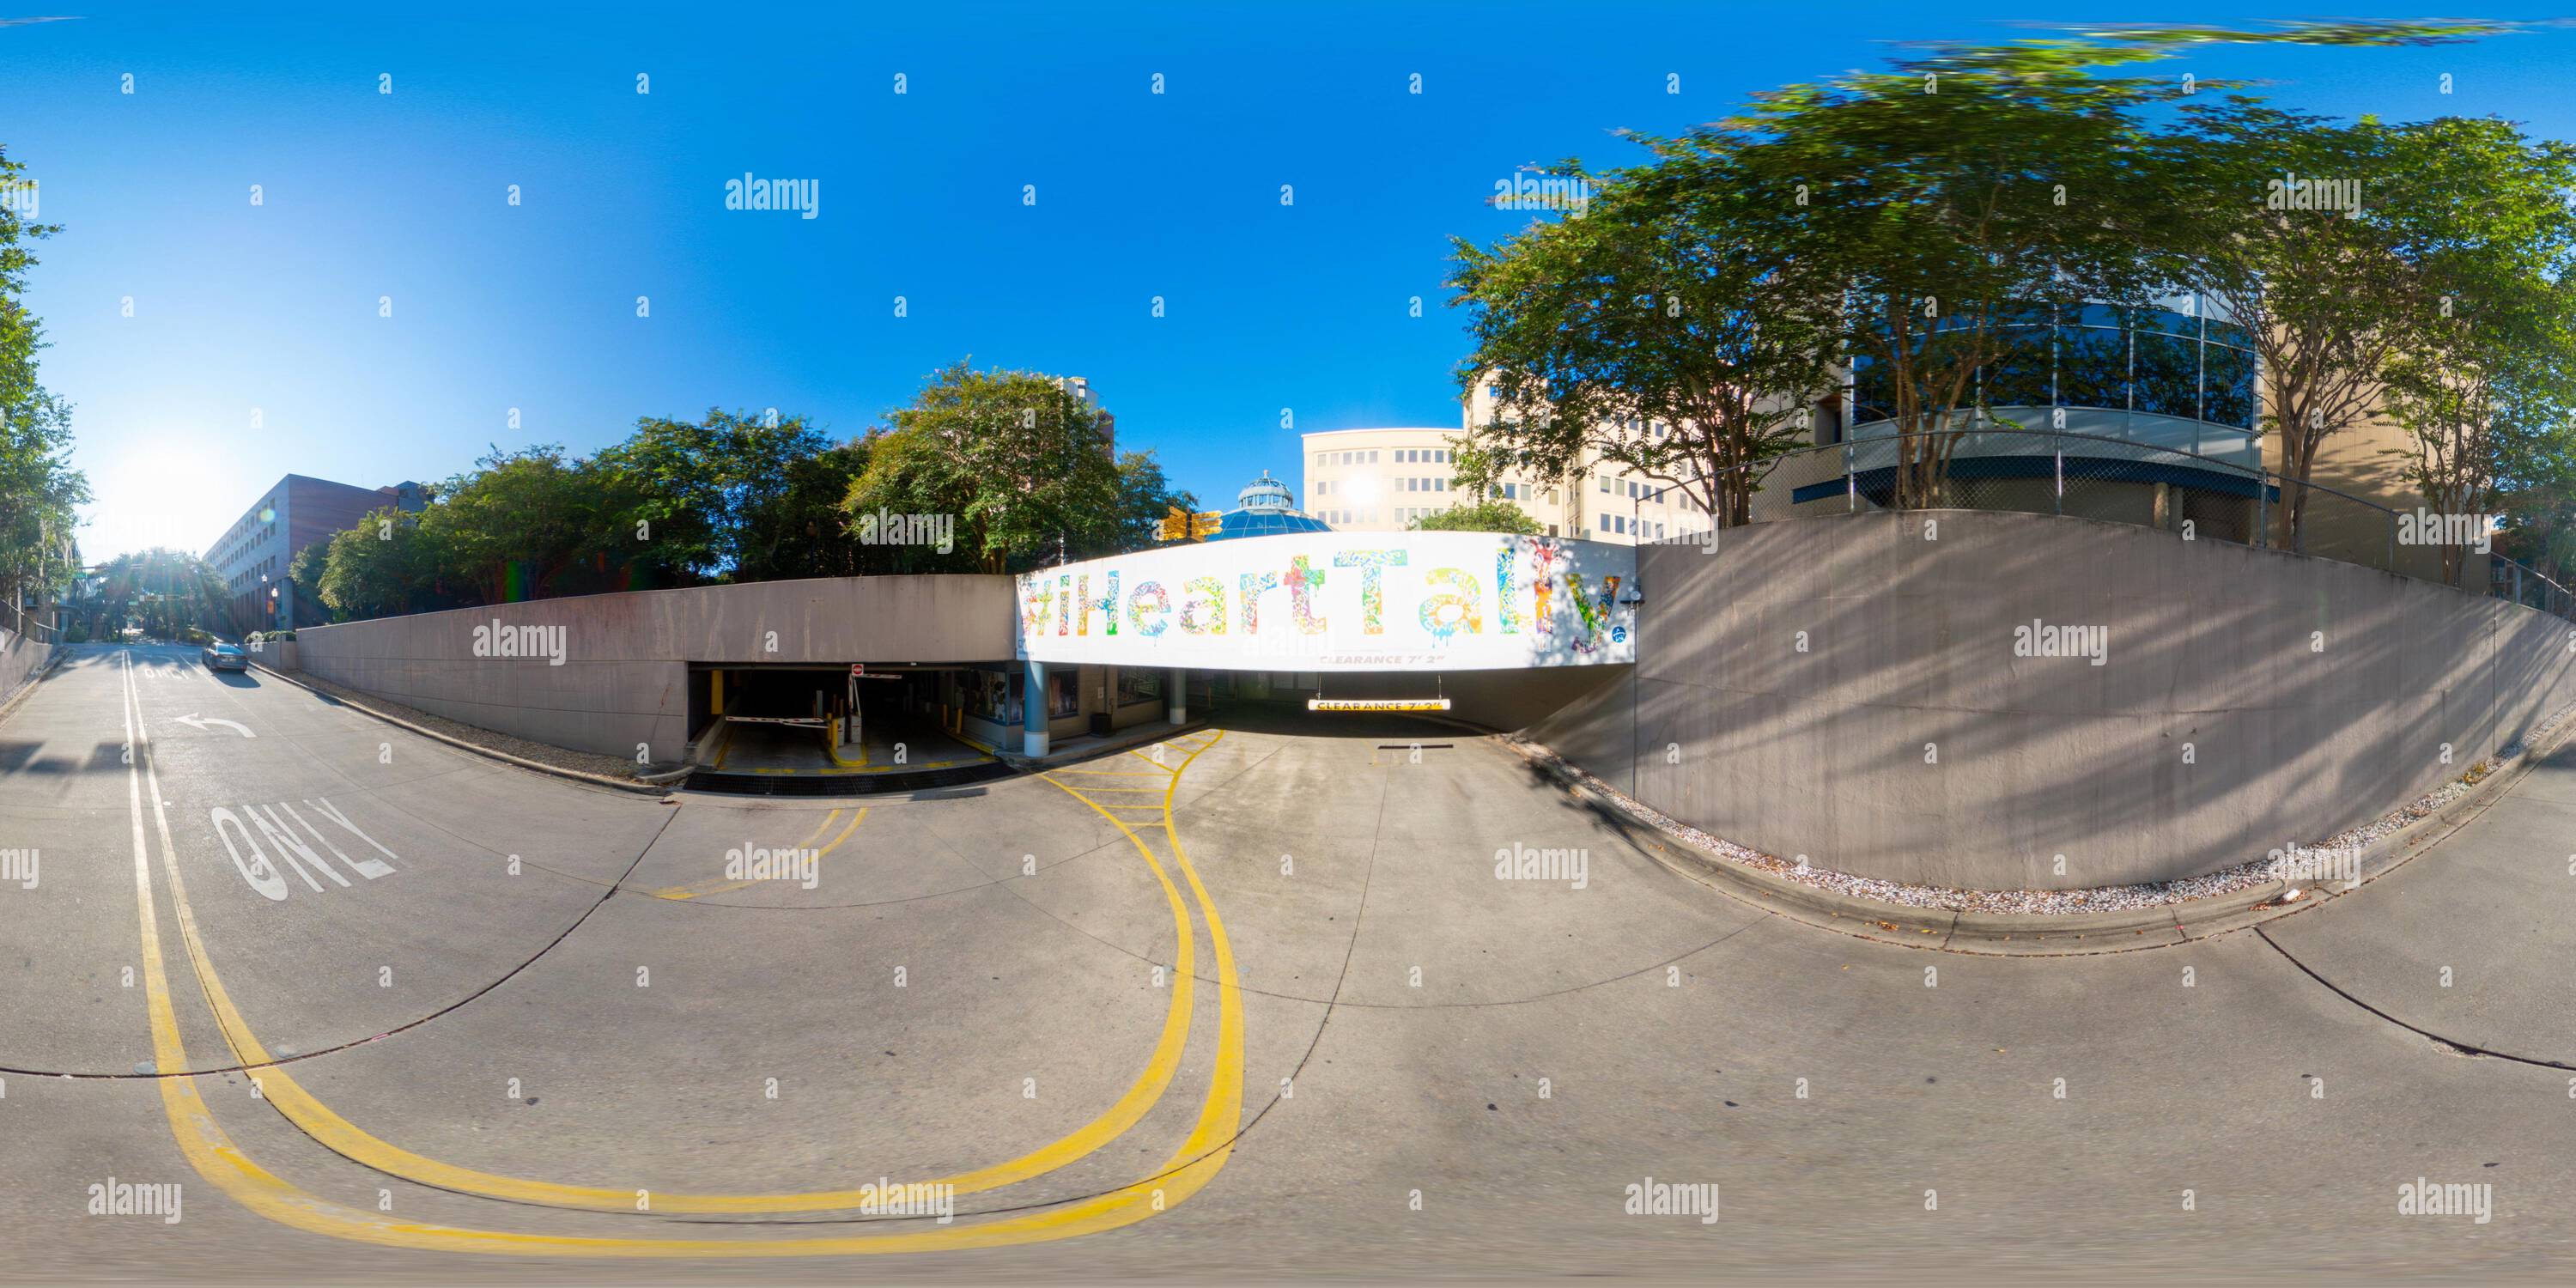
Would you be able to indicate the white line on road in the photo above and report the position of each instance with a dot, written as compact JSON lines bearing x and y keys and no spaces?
{"x":193,"y":720}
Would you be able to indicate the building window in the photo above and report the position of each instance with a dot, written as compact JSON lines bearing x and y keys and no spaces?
{"x":1135,"y":686}
{"x":993,"y":695}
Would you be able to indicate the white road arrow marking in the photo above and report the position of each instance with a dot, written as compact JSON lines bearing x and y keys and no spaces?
{"x":192,"y":720}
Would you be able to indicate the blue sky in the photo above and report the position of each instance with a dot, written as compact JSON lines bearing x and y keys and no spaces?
{"x":368,"y":196}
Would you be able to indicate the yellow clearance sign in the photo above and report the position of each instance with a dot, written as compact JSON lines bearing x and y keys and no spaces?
{"x":1184,"y":525}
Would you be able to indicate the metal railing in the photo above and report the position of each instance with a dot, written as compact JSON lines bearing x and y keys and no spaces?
{"x":22,"y":624}
{"x":2512,"y":579}
{"x":2098,"y":477}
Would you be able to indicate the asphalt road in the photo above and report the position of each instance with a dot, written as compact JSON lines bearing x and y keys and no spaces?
{"x":1252,"y":1003}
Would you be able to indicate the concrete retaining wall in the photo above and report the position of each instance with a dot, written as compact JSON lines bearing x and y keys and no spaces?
{"x":20,"y":657}
{"x":1843,"y":688}
{"x":622,"y":680}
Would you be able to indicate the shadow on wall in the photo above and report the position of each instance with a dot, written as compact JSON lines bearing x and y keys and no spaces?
{"x":1916,"y":697}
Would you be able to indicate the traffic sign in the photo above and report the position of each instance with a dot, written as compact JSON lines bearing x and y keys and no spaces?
{"x":1182,"y":525}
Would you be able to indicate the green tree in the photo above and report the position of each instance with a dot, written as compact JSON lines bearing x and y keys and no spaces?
{"x":1479,"y":516}
{"x":1960,"y":199}
{"x":39,"y":490}
{"x":741,"y":497}
{"x":533,"y":524}
{"x":800,"y":531}
{"x":305,"y":572}
{"x":2482,"y":372}
{"x":2485,"y":403}
{"x":2324,"y":296}
{"x":1019,"y":467}
{"x":1144,"y":497}
{"x":1654,"y":329}
{"x":391,"y":563}
{"x":164,"y":591}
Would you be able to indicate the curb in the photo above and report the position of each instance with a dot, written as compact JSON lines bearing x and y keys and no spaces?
{"x":2045,"y":934}
{"x":639,"y":787}
{"x":1025,"y":765}
{"x":2386,"y":854}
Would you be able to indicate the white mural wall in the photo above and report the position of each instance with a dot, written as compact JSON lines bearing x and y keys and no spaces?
{"x":1340,"y":601}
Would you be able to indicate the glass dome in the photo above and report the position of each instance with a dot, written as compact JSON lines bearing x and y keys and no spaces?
{"x":1266,"y":495}
{"x":1269,"y":509}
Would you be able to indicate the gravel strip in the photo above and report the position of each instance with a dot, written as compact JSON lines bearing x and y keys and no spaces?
{"x":2116,"y":898}
{"x":542,"y":753}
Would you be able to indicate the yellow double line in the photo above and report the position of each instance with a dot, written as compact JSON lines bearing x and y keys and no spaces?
{"x":211,"y":1152}
{"x":719,"y":885}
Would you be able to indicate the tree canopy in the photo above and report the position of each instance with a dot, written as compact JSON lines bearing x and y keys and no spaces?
{"x":1018,"y":467}
{"x":1002,"y":469}
{"x":39,"y":490}
{"x":1917,"y":225}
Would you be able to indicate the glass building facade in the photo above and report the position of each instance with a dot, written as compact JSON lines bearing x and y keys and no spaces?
{"x":2173,"y":363}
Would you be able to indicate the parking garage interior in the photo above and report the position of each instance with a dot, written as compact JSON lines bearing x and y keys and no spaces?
{"x":860,"y":719}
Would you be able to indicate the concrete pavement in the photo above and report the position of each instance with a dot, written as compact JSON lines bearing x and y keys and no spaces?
{"x":1251,"y":1002}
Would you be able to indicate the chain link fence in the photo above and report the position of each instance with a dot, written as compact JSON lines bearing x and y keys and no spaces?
{"x":2095,"y":477}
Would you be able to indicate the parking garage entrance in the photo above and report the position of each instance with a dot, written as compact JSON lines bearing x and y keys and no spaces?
{"x":860,"y":727}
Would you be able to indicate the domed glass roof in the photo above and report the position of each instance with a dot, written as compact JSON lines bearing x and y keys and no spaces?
{"x":1269,"y":510}
{"x":1266,"y":494}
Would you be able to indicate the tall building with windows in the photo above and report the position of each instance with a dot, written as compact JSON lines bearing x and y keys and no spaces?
{"x":1078,"y":388}
{"x":2156,"y":408}
{"x":1382,"y":480}
{"x":253,"y":555}
{"x":2141,"y":386}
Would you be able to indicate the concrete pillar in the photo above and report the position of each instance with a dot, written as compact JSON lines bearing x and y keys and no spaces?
{"x":1176,"y":686}
{"x":1033,"y":711}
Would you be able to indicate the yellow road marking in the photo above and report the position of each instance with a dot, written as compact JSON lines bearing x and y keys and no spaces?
{"x":685,"y":891}
{"x":832,"y":748}
{"x":203,"y":1142}
{"x":702,"y":890}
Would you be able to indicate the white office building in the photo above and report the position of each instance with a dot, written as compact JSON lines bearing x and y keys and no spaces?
{"x":1382,"y":480}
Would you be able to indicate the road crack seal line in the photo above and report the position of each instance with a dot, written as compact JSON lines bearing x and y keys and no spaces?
{"x":2456,"y":1047}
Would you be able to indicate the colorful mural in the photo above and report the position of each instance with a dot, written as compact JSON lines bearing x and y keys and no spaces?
{"x":1346,"y":601}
